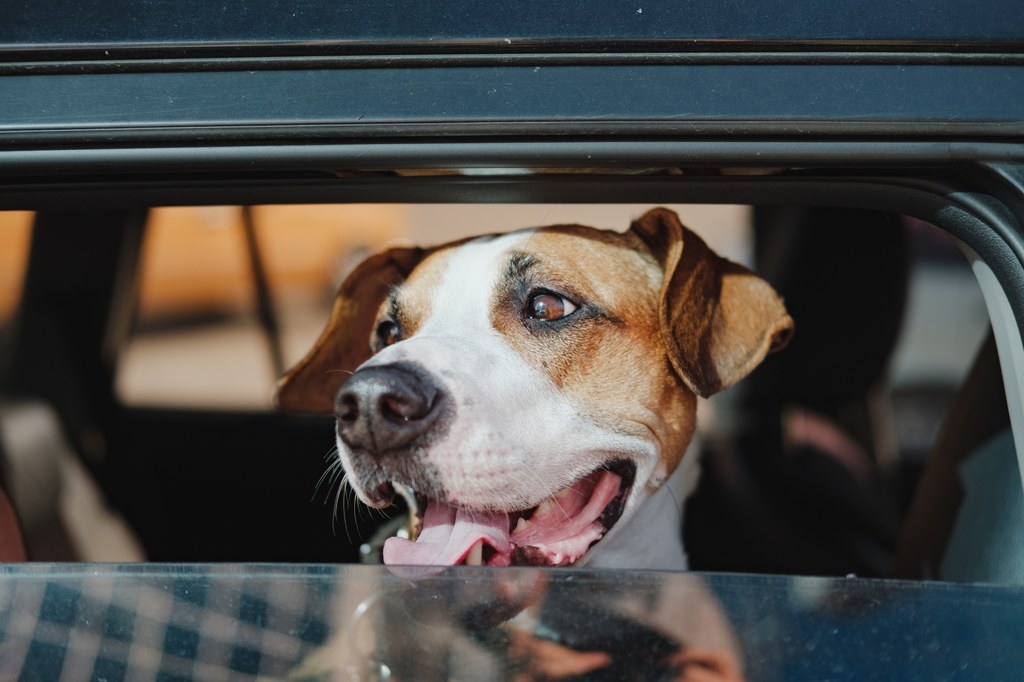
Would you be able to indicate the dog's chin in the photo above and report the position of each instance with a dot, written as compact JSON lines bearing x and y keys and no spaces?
{"x":560,"y":531}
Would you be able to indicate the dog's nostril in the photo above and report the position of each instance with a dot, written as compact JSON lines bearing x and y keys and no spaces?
{"x":347,"y":408}
{"x":393,"y":408}
{"x":404,"y":408}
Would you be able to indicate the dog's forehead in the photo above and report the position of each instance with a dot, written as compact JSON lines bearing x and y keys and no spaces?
{"x":600,"y":263}
{"x":453,"y":277}
{"x":610,"y":266}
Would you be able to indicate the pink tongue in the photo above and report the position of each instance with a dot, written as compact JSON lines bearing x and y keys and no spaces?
{"x":448,"y":534}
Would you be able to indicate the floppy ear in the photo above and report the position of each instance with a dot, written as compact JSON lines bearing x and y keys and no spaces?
{"x":718,"y":319}
{"x":344,"y":344}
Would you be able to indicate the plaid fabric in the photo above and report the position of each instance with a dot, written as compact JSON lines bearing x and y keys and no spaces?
{"x":165,"y":624}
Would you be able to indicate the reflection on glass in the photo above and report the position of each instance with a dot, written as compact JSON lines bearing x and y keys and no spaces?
{"x":320,"y":622}
{"x":538,"y":624}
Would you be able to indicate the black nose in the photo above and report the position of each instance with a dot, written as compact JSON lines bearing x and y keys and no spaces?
{"x":383,"y":408}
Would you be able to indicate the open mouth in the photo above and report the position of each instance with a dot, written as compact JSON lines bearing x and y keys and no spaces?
{"x":557,"y":532}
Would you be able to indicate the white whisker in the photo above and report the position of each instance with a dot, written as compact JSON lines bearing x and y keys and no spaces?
{"x":342,"y":485}
{"x":330,"y":473}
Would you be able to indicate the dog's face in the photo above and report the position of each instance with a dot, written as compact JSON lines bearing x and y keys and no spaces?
{"x":531,"y":389}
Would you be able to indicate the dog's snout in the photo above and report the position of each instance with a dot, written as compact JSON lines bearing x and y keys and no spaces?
{"x":383,"y":408}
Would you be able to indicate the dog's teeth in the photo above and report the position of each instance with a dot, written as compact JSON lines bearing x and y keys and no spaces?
{"x":476,"y":554}
{"x":521,"y":525}
{"x":545,"y":508}
{"x":566,"y":495}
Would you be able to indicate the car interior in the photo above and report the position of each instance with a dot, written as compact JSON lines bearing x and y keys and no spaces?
{"x":145,"y":343}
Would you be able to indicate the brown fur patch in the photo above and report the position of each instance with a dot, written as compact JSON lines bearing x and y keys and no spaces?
{"x":607,"y":357}
{"x":718,"y":319}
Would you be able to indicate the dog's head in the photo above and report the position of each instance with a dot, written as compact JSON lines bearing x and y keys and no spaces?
{"x":531,"y":389}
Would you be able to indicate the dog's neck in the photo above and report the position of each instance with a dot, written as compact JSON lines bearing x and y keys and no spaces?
{"x":652,"y":539}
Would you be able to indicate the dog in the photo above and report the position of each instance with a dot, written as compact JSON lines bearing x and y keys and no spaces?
{"x":533,"y":393}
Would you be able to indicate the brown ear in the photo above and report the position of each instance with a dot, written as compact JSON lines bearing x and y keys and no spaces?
{"x":718,"y":319}
{"x":344,"y":344}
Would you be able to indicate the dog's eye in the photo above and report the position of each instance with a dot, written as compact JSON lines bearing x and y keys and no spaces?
{"x":388,"y":332}
{"x":547,"y":306}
